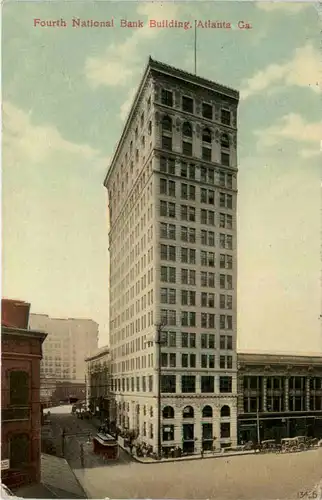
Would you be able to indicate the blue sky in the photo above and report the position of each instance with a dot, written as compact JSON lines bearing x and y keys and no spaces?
{"x":66,"y":94}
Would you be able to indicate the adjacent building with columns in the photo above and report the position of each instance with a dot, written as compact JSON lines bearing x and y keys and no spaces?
{"x":280,"y":393}
{"x":172,"y":197}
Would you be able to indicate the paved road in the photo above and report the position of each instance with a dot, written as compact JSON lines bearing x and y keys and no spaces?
{"x":78,"y":432}
{"x":249,"y":477}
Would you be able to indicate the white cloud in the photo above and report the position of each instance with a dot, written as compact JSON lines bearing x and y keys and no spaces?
{"x":126,"y":106}
{"x":24,"y":142}
{"x":302,"y":71}
{"x":282,"y":5}
{"x":119,"y":62}
{"x":291,"y":126}
{"x":309,"y":153}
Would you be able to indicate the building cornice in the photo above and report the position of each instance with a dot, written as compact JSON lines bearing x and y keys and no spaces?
{"x":156,"y":66}
{"x":21,"y":332}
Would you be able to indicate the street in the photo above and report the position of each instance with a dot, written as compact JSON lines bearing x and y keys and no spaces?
{"x":260,"y":477}
{"x":77,"y":433}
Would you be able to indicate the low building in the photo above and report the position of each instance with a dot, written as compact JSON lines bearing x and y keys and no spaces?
{"x":98,"y":384}
{"x":279,"y":396}
{"x":21,"y":354}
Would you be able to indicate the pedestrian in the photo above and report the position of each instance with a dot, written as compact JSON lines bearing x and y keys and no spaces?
{"x":82,"y":454}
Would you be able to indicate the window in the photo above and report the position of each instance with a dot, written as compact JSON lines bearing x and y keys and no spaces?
{"x":226,"y":241}
{"x":226,"y":281}
{"x":188,"y":318}
{"x":188,"y":213}
{"x":187,"y":104}
{"x":168,"y":252}
{"x":168,"y":274}
{"x":225,"y":411}
{"x":167,"y":97}
{"x":226,"y":322}
{"x":168,"y":296}
{"x":188,"y":360}
{"x":207,"y":111}
{"x":188,"y":255}
{"x":207,"y":384}
{"x":188,"y":340}
{"x":206,"y":135}
{"x":168,"y":383}
{"x":188,"y":383}
{"x":168,"y":412}
{"x":167,"y":165}
{"x":226,"y":221}
{"x":207,"y":412}
{"x":224,"y":141}
{"x":19,"y":450}
{"x":167,"y":231}
{"x":167,"y":209}
{"x":207,"y":196}
{"x":19,"y":388}
{"x":207,"y":299}
{"x":188,"y":277}
{"x":225,"y":384}
{"x":167,"y":187}
{"x":168,"y":360}
{"x":225,"y":200}
{"x":168,"y":432}
{"x":225,"y":159}
{"x":168,"y":317}
{"x":166,"y":143}
{"x":186,"y":130}
{"x":192,"y":172}
{"x":188,"y":298}
{"x":226,"y":362}
{"x":225,"y":117}
{"x":187,"y":148}
{"x":226,"y":342}
{"x":226,"y":301}
{"x":224,"y":430}
{"x":206,"y":153}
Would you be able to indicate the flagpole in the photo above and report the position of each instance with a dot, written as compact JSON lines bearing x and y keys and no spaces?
{"x":195,"y":48}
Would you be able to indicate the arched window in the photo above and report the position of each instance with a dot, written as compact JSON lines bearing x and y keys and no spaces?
{"x":137,"y":409}
{"x":188,"y":412}
{"x":19,"y":388}
{"x":207,"y":412}
{"x":168,"y":412}
{"x":186,"y":129}
{"x":224,"y":141}
{"x":206,"y":135}
{"x":225,"y":411}
{"x":166,"y":124}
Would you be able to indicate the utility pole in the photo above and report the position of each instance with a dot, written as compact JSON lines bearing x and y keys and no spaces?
{"x":158,"y":341}
{"x":258,"y":427}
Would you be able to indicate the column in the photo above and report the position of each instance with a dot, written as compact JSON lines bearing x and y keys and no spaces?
{"x":307,"y":387}
{"x":240,"y":393}
{"x":286,"y":395}
{"x":264,"y":393}
{"x":197,"y":431}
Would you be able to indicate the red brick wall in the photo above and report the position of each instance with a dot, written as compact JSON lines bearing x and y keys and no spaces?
{"x":22,"y":354}
{"x":15,"y":313}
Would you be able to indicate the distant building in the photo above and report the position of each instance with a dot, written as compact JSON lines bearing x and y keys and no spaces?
{"x":68,"y":343}
{"x":21,"y":353}
{"x":98,"y":380}
{"x":280,"y":393}
{"x":172,"y":190}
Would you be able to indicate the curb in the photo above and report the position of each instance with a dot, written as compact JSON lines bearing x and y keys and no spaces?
{"x":187,"y":459}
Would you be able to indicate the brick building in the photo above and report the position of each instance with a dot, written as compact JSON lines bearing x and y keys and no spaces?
{"x":21,"y":353}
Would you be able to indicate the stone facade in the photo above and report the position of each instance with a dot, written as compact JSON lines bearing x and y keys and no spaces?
{"x":284,"y":391}
{"x":175,"y":171}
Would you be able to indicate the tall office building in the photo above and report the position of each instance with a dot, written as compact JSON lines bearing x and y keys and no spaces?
{"x":68,"y":343}
{"x":172,"y":189}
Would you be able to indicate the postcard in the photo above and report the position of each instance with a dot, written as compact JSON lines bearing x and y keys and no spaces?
{"x":161,"y":271}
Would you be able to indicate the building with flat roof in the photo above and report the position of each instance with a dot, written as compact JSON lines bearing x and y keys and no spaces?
{"x":172,"y":191}
{"x":279,"y":393}
{"x":21,"y":353}
{"x":69,"y":342}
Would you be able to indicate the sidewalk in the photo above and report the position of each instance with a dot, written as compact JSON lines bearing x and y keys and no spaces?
{"x":219,"y":454}
{"x":57,"y":481}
